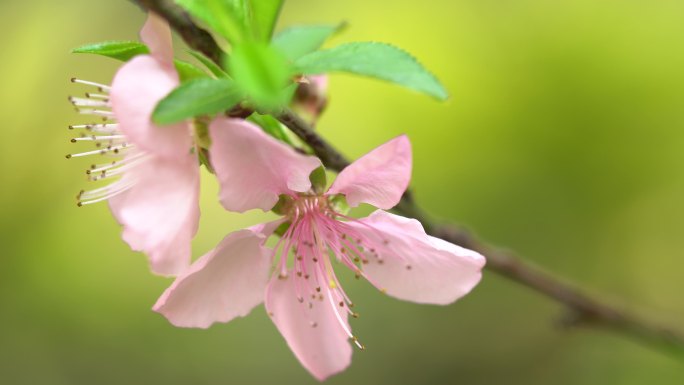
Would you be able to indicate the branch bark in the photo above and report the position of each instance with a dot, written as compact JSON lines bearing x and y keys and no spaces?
{"x":583,"y":309}
{"x":201,"y":40}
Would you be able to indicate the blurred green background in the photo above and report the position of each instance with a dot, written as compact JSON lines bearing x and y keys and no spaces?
{"x":563,"y":140}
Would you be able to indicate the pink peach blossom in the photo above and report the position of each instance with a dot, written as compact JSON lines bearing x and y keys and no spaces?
{"x":155,"y":193}
{"x":303,"y":296}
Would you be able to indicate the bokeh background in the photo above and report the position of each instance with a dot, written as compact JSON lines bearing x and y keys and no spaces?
{"x":563,"y":140}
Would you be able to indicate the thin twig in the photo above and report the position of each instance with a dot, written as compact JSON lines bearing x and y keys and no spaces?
{"x":201,"y":40}
{"x":583,"y":309}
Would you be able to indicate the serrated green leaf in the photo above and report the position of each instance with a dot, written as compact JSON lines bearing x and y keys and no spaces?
{"x":298,"y":41}
{"x":262,"y":73}
{"x":197,"y":97}
{"x":265,"y":14}
{"x":378,"y":60}
{"x":120,"y":50}
{"x":188,"y":71}
{"x":126,"y":50}
{"x":229,"y":18}
{"x":211,"y":66}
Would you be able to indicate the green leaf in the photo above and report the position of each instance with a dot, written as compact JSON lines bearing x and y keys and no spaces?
{"x":265,"y":14}
{"x":229,"y":18}
{"x":126,"y":50}
{"x":211,"y":66}
{"x":262,"y":73}
{"x":188,"y":71}
{"x":298,"y":41}
{"x":196,"y":97}
{"x":120,"y":50}
{"x":271,"y":126}
{"x":378,"y":60}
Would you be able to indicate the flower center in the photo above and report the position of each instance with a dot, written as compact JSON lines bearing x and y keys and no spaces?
{"x":309,"y":206}
{"x":314,"y":234}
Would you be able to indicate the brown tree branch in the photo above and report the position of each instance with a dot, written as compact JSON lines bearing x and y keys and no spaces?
{"x":583,"y":309}
{"x":201,"y":40}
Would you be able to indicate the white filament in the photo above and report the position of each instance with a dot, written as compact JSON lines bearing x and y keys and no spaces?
{"x":89,"y":83}
{"x":97,"y":138}
{"x":92,"y":111}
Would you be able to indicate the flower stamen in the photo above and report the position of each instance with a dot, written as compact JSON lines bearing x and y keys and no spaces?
{"x":80,"y":102}
{"x":101,"y":87}
{"x":312,"y":235}
{"x":109,"y":142}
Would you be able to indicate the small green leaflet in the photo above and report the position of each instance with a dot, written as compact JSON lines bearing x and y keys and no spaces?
{"x":262,"y":73}
{"x":236,"y":20}
{"x":120,"y":50}
{"x":265,"y":14}
{"x":197,"y":97}
{"x":188,"y":71}
{"x":211,"y":66}
{"x":378,"y":60}
{"x":229,"y":18}
{"x":127,"y":50}
{"x":298,"y":41}
{"x":271,"y":126}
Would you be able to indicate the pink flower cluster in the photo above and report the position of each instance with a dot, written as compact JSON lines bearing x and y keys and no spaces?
{"x":155,"y":198}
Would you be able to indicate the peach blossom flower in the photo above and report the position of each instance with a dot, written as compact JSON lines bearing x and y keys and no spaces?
{"x":296,"y":278}
{"x":155,"y":183}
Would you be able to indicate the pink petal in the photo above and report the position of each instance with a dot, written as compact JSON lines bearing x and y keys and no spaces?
{"x":417,"y":267}
{"x":226,"y":283}
{"x":160,"y":212}
{"x":379,"y":177}
{"x":268,"y":228}
{"x":253,"y":168}
{"x":322,"y":349}
{"x":137,"y":88}
{"x":156,"y":33}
